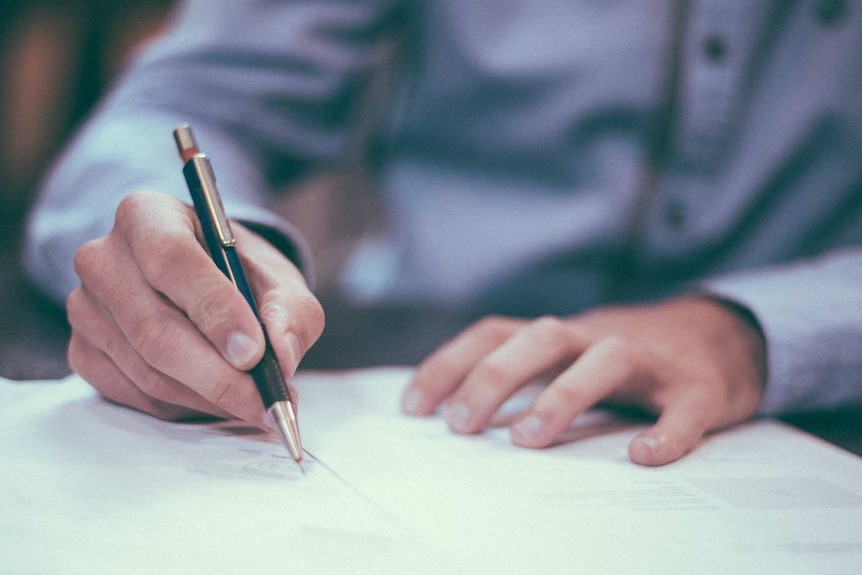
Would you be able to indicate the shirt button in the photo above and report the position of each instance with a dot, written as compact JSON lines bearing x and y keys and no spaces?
{"x":674,"y":214}
{"x":714,"y":48}
{"x":830,"y":12}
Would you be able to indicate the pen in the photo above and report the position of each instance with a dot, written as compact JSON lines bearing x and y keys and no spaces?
{"x":221,"y":243}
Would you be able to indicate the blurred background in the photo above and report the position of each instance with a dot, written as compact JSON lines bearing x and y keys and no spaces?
{"x":56,"y":59}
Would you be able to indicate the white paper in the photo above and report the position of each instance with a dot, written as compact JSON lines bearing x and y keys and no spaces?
{"x":89,"y":487}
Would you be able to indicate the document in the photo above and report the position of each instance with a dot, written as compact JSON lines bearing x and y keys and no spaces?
{"x":90,"y":487}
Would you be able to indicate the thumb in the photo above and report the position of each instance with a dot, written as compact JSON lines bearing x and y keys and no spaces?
{"x":679,"y":429}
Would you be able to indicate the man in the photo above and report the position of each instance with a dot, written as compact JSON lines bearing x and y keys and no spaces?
{"x":670,"y":191}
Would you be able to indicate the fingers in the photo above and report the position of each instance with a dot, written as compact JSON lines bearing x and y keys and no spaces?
{"x":599,"y":371}
{"x":95,"y":331}
{"x":447,"y":368}
{"x":154,"y":308}
{"x":159,"y":232}
{"x":484,"y":366}
{"x":680,"y":428}
{"x":165,"y":340}
{"x":112,"y":383}
{"x":687,"y":359}
{"x":607,"y":366}
{"x":294,"y":318}
{"x":537,"y":349}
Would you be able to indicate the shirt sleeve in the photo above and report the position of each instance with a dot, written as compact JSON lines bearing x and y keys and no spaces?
{"x":811,"y":315}
{"x":270,"y":90}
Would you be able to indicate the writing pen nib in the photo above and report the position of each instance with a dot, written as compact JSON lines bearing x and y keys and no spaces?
{"x":301,"y":467}
{"x":284,"y":417}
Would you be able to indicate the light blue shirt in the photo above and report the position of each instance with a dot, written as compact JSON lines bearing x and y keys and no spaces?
{"x":527,"y":149}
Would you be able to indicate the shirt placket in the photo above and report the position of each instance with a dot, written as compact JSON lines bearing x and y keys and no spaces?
{"x":717,"y":49}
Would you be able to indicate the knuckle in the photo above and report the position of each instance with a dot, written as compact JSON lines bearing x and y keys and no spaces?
{"x":304,"y":315}
{"x":617,"y":345}
{"x":310,"y":309}
{"x":552,"y":333}
{"x":491,"y":373}
{"x":492,"y":327}
{"x":131,"y":208}
{"x":550,"y":323}
{"x":314,"y":310}
{"x":224,"y":394}
{"x":164,"y":253}
{"x":621,"y":353}
{"x":316,"y":320}
{"x":230,"y":393}
{"x":215,"y":307}
{"x":159,"y":388}
{"x":88,"y":259}
{"x":151,"y":338}
{"x":117,"y":348}
{"x":567,"y":395}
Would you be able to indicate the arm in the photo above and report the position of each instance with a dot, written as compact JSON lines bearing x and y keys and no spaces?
{"x":269,"y":89}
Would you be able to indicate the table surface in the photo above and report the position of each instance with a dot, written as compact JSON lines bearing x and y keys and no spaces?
{"x":33,"y":345}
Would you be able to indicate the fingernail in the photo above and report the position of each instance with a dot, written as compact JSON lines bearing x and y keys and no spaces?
{"x":412,"y":400}
{"x":240,"y":349}
{"x":294,"y":348}
{"x":643,"y":449}
{"x":529,"y":427}
{"x":458,"y":416}
{"x":651,"y":442}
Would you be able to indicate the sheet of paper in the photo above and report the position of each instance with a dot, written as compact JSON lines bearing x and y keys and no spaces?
{"x":88,"y":487}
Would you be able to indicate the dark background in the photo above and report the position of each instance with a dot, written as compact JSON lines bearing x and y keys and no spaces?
{"x":56,"y":59}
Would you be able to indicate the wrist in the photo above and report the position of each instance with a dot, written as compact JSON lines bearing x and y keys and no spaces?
{"x":748,"y":329}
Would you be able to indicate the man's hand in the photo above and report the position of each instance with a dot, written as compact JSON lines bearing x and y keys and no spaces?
{"x":693,"y":361}
{"x":156,"y":326}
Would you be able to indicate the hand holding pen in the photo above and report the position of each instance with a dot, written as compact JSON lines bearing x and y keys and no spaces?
{"x":158,"y":327}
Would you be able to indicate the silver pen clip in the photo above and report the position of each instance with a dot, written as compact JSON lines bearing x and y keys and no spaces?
{"x":190,"y":152}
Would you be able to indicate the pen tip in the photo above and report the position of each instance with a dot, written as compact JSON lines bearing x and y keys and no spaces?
{"x":301,"y":467}
{"x":284,"y":417}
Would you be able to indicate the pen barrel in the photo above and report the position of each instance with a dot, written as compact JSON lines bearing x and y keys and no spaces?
{"x":196,"y":191}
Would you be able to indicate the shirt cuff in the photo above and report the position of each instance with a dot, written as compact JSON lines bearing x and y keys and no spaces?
{"x":811,"y":316}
